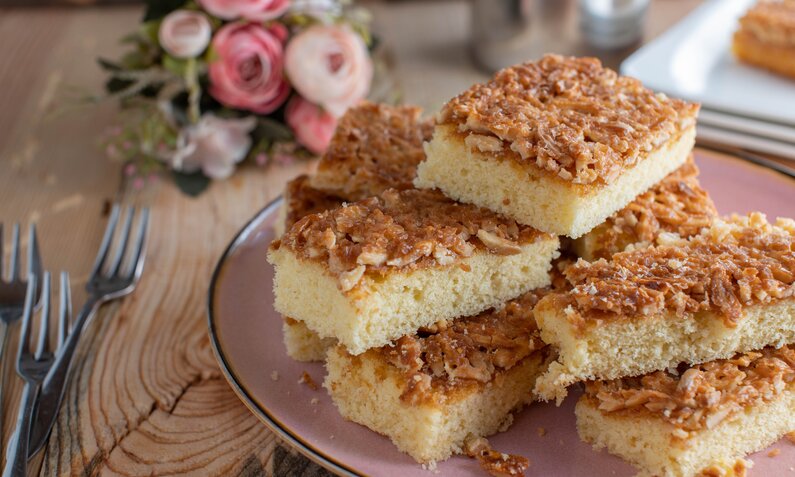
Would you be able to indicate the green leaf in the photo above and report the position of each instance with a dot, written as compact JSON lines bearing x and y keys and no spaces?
{"x":273,"y":130}
{"x":159,"y":8}
{"x":149,"y":31}
{"x":191,"y":184}
{"x":176,"y":66}
{"x":114,"y":84}
{"x":136,"y":60}
{"x":108,"y":65}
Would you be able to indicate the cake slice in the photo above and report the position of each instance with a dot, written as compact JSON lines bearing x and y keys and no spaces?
{"x":677,"y":204}
{"x":300,"y":200}
{"x":727,"y":290}
{"x":370,"y":272}
{"x":375,"y":147}
{"x":560,"y":144}
{"x":766,"y":36}
{"x":700,"y":418}
{"x":431,"y":390}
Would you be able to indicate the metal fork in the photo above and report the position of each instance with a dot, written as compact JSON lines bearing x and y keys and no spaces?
{"x":33,"y":366}
{"x":109,"y":280}
{"x":12,"y":296}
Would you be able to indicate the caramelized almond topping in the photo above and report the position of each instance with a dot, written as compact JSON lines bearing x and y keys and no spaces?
{"x":701,"y":396}
{"x":466,"y":351}
{"x":375,"y":147}
{"x":771,"y":22}
{"x":677,"y":205}
{"x":570,"y":117}
{"x":735,"y":263}
{"x":401,"y":229}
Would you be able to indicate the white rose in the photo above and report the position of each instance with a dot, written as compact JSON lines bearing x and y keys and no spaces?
{"x":329,"y":65}
{"x":184,"y":34}
{"x":214,"y":145}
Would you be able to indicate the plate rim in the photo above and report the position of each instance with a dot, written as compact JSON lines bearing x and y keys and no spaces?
{"x":308,"y":450}
{"x":227,"y":370}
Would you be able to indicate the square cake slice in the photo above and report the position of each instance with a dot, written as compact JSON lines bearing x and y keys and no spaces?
{"x":375,"y":147}
{"x":766,"y":36}
{"x":370,"y":272}
{"x":696,"y":420}
{"x":677,"y":205}
{"x":560,"y":144}
{"x":729,"y":289}
{"x":431,"y":390}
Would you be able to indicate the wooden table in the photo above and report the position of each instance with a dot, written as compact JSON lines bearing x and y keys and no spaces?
{"x":147,"y":397}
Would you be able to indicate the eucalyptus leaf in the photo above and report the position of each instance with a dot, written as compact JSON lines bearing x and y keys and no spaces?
{"x":159,"y":8}
{"x":191,"y":184}
{"x":272,"y":130}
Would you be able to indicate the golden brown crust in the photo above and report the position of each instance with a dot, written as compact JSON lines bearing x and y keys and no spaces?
{"x":570,"y":117}
{"x":401,"y":230}
{"x":770,"y":21}
{"x":699,"y":397}
{"x":677,"y":204}
{"x":375,"y":147}
{"x":735,"y":263}
{"x":301,"y":199}
{"x":467,"y":351}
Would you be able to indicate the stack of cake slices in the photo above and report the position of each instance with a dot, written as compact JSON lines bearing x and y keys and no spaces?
{"x":546,"y":230}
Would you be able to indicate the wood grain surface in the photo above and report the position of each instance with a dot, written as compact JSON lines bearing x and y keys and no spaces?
{"x":147,"y":397}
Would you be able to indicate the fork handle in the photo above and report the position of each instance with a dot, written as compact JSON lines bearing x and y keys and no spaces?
{"x":17,"y":451}
{"x":54,"y":387}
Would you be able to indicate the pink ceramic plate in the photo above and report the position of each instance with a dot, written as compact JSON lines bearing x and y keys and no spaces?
{"x":246,"y":334}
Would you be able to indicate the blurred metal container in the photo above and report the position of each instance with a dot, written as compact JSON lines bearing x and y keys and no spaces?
{"x":498,"y":31}
{"x":612,"y":24}
{"x":507,"y":32}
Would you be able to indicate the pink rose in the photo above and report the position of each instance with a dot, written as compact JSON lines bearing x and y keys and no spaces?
{"x":184,"y":34}
{"x":248,"y":71}
{"x":256,"y":10}
{"x":330,"y":66}
{"x":214,"y":145}
{"x":312,"y":126}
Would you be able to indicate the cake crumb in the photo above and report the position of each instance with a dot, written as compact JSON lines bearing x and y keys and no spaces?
{"x":542,"y":431}
{"x":790,"y":436}
{"x":307,"y":379}
{"x":275,"y":376}
{"x":774,"y":452}
{"x":314,"y":401}
{"x":496,"y":463}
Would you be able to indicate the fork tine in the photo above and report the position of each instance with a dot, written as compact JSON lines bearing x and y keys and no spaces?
{"x":139,"y":247}
{"x":65,"y":309}
{"x":27,"y":315}
{"x":124,"y":238}
{"x":102,"y":255}
{"x":14,"y":253}
{"x":44,"y":326}
{"x":34,"y":253}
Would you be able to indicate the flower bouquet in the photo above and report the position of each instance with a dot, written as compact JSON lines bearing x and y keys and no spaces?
{"x":209,"y":83}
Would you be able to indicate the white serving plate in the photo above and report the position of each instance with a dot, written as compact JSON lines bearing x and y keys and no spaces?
{"x":693,"y":60}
